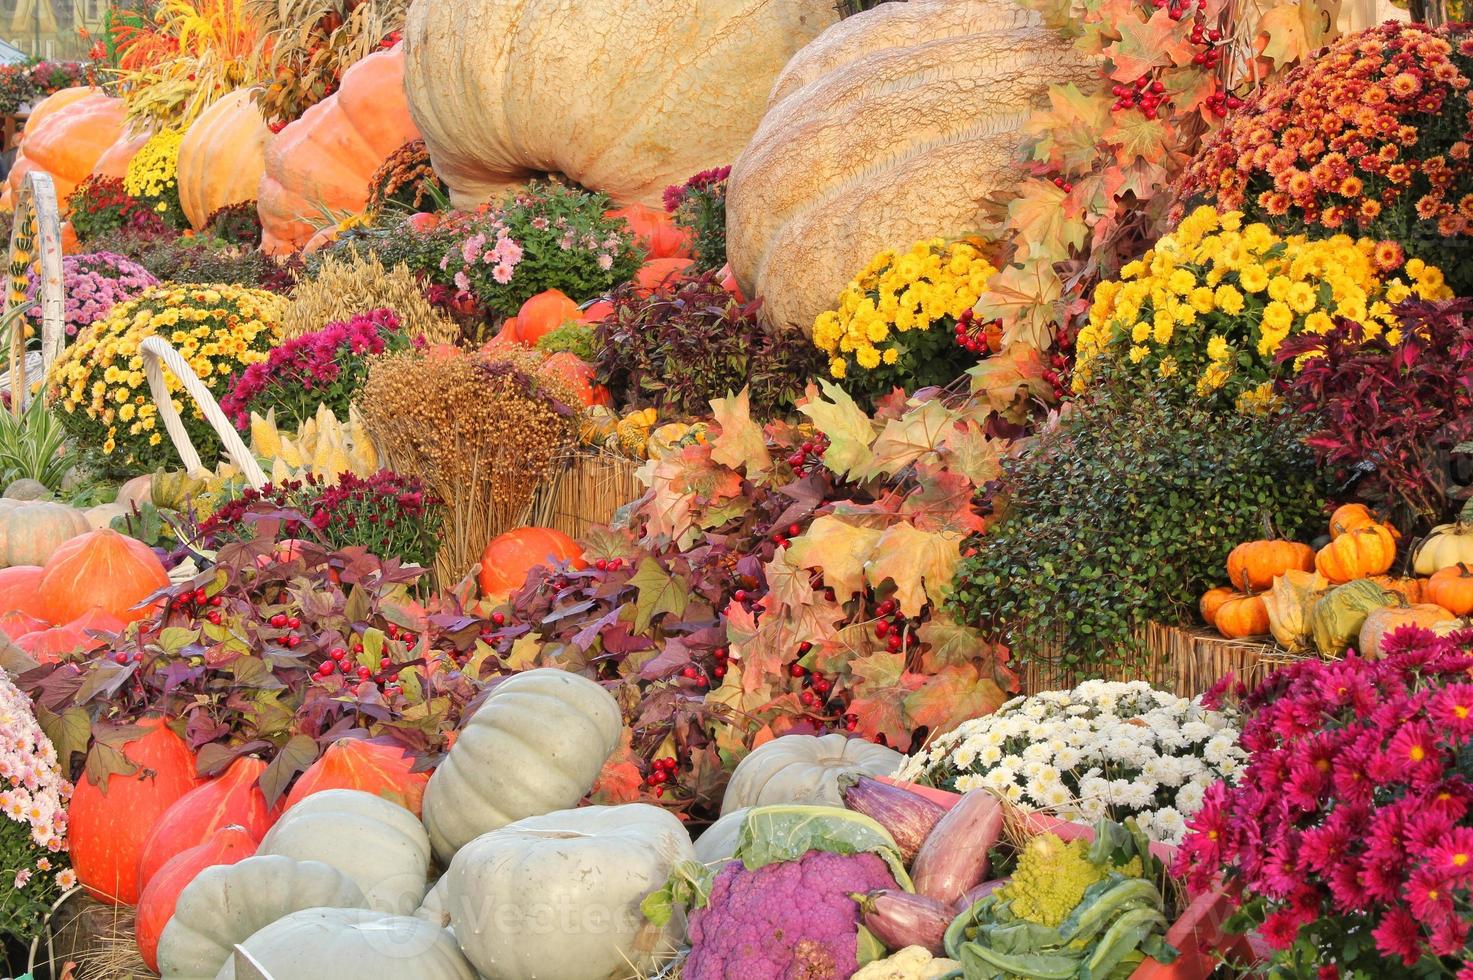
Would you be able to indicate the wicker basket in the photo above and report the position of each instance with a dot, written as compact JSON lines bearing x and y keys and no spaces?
{"x":585,"y":492}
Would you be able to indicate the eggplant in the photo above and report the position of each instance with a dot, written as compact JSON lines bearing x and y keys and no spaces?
{"x":976,"y":893}
{"x":900,"y":919}
{"x":909,"y":817}
{"x":954,"y":855}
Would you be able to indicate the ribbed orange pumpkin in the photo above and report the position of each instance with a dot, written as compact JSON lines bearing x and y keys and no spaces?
{"x":658,"y":274}
{"x":100,"y":569}
{"x":231,"y":799}
{"x":1410,"y":589}
{"x":510,"y":556}
{"x":326,"y":158}
{"x":50,"y":645}
{"x":353,"y":763}
{"x":1212,"y":601}
{"x":577,"y":373}
{"x":1382,"y":622}
{"x":115,"y":159}
{"x":222,"y":157}
{"x":1242,"y":616}
{"x":156,"y":904}
{"x":543,"y":314}
{"x":1349,"y":517}
{"x":16,"y":624}
{"x":68,"y":142}
{"x":20,"y":590}
{"x":655,"y":231}
{"x":107,"y":829}
{"x":1253,"y":565}
{"x":1452,"y":589}
{"x":1361,"y":553}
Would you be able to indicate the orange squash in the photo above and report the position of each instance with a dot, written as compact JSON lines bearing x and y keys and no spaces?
{"x":1349,"y":517}
{"x":20,"y":590}
{"x":354,"y":763}
{"x":595,"y":312}
{"x":50,"y":645}
{"x":325,"y":158}
{"x":101,"y":569}
{"x":577,"y":373}
{"x":16,"y":624}
{"x":730,"y":284}
{"x":1410,"y":589}
{"x":107,"y":828}
{"x":222,"y":156}
{"x":156,"y":904}
{"x":1212,"y":601}
{"x":115,"y":159}
{"x":232,"y":799}
{"x":423,"y":221}
{"x":543,"y":314}
{"x":655,"y":231}
{"x":1253,"y":565}
{"x":510,"y":556}
{"x":1452,"y":589}
{"x":658,"y":274}
{"x":1361,"y":553}
{"x":1242,"y":616}
{"x":68,"y":141}
{"x":1382,"y":622}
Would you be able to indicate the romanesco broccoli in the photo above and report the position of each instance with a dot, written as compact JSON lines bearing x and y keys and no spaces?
{"x":1051,"y":877}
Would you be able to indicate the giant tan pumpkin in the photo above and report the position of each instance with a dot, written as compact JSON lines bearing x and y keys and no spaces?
{"x":325,"y":159}
{"x":891,"y":127}
{"x":622,"y":96}
{"x":222,"y":157}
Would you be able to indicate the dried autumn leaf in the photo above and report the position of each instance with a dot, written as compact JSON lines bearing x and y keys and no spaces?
{"x":879,"y":698}
{"x":741,"y":444}
{"x":911,"y":437}
{"x":1016,"y":372}
{"x":836,"y":548}
{"x":659,"y":593}
{"x":920,"y":563}
{"x":1038,"y":216}
{"x":1025,"y":297}
{"x":968,"y":451}
{"x":1146,"y":45}
{"x":950,"y":697}
{"x":849,"y":430}
{"x":1281,"y":35}
{"x":1134,"y":137}
{"x":1066,"y":134}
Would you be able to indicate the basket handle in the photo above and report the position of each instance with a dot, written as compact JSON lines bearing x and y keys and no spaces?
{"x":157,"y":355}
{"x":36,"y":203}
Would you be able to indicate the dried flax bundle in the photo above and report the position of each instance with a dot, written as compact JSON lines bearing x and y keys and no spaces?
{"x":347,"y":286}
{"x":482,"y":430}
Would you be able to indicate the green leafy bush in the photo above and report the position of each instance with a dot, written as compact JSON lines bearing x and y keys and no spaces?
{"x":1125,"y":512}
{"x":574,"y":337}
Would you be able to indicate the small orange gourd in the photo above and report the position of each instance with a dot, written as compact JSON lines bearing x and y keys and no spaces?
{"x":1361,"y":553}
{"x":1452,"y":589}
{"x":1212,"y":601}
{"x":1242,"y":616}
{"x":1253,"y":565}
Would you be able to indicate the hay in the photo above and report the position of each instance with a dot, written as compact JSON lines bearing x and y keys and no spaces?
{"x":97,"y":939}
{"x":584,"y":492}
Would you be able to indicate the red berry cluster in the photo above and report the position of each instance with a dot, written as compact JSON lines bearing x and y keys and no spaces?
{"x":893,"y":627}
{"x":609,"y":564}
{"x":809,"y":456}
{"x":977,"y":337}
{"x":1220,"y":103}
{"x":1144,"y":94}
{"x":662,"y":771}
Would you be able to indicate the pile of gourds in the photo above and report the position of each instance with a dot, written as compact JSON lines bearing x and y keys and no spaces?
{"x":1342,"y":596}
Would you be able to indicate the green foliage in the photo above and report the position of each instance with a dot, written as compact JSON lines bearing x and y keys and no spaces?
{"x":201,"y":259}
{"x":699,"y":206}
{"x":574,"y":337}
{"x":33,"y":446}
{"x":1125,"y":512}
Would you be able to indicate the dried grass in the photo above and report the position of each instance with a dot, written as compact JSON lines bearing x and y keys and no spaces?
{"x":356,"y":284}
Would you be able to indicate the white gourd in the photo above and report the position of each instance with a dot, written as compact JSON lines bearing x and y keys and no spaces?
{"x":354,"y":944}
{"x":804,"y":769}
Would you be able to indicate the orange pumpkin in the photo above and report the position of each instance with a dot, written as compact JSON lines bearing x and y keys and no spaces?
{"x":156,"y":904}
{"x":1410,"y":589}
{"x":50,"y":645}
{"x":325,"y":158}
{"x":730,"y":284}
{"x":1452,"y":589}
{"x":68,"y":142}
{"x":115,"y":159}
{"x":1253,"y":565}
{"x":510,"y":556}
{"x":655,"y":231}
{"x":372,"y":767}
{"x":657,"y":274}
{"x":232,"y":799}
{"x":1349,"y":517}
{"x":20,"y":590}
{"x":101,"y":569}
{"x":16,"y":624}
{"x":1361,"y":553}
{"x":423,"y":221}
{"x":543,"y":314}
{"x":320,"y":239}
{"x":595,"y":312}
{"x":1212,"y":601}
{"x":69,"y":243}
{"x":107,"y":827}
{"x":1382,"y":622}
{"x":577,"y":373}
{"x":222,"y":156}
{"x":1242,"y":616}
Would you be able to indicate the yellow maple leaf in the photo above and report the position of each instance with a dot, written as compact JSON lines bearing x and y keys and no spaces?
{"x":920,"y":563}
{"x":836,"y":547}
{"x":850,"y":431}
{"x":741,"y":444}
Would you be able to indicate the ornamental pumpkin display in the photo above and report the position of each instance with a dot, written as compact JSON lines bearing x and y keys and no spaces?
{"x":227,"y":904}
{"x":510,"y":556}
{"x":1212,"y":601}
{"x":591,"y":864}
{"x":326,"y":158}
{"x":1242,"y":616}
{"x":1253,"y":565}
{"x":115,"y":159}
{"x":225,"y":845}
{"x":108,"y":824}
{"x":1452,"y":589}
{"x":355,"y":763}
{"x":67,"y":141}
{"x":646,"y":94}
{"x":655,"y":231}
{"x":536,"y":744}
{"x":1361,"y":553}
{"x":222,"y":157}
{"x":356,"y":943}
{"x":32,"y":530}
{"x":232,"y":799}
{"x":379,"y":845}
{"x":804,"y":769}
{"x":1386,"y":620}
{"x":1335,"y":619}
{"x":101,"y":569}
{"x":1444,"y":547}
{"x":889,"y":129}
{"x":1288,"y":604}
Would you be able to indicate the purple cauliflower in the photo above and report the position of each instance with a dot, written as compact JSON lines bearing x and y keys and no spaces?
{"x":788,"y":921}
{"x":93,"y":283}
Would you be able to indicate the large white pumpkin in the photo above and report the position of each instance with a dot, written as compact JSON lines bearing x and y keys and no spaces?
{"x":354,"y":944}
{"x":718,"y":842}
{"x":557,"y":896}
{"x":376,"y":843}
{"x":536,"y":744}
{"x":228,"y":903}
{"x":621,"y":96}
{"x":804,"y":769}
